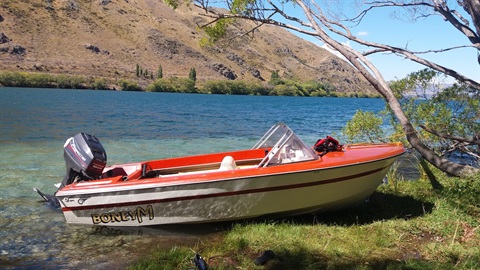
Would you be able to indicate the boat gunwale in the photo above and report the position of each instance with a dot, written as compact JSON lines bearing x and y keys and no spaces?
{"x":147,"y":183}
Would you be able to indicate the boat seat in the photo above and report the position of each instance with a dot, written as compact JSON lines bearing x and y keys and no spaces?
{"x":228,"y":163}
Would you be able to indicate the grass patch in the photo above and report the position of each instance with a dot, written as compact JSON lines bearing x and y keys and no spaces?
{"x":406,"y":225}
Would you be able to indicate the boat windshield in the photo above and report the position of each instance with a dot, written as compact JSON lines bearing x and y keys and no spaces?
{"x":285,"y":146}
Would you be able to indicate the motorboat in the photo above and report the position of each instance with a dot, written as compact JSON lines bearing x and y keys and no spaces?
{"x":279,"y":176}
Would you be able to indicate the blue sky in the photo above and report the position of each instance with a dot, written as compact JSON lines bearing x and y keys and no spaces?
{"x":432,"y":33}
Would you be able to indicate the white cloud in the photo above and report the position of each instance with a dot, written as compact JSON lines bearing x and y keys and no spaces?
{"x":362,"y":33}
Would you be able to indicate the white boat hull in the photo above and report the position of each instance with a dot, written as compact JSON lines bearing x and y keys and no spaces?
{"x":234,"y":198}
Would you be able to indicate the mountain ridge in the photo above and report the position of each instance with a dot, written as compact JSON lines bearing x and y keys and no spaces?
{"x":109,"y":38}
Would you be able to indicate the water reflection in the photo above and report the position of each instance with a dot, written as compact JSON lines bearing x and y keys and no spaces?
{"x":64,"y":246}
{"x":178,"y":230}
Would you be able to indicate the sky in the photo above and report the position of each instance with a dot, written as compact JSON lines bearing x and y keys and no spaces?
{"x":432,"y":33}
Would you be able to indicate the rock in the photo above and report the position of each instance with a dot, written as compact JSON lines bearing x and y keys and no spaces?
{"x":95,"y":49}
{"x":72,"y":5}
{"x":225,"y":71}
{"x":49,"y":4}
{"x":92,"y":48}
{"x":235,"y":58}
{"x":105,"y":2}
{"x":1,"y":18}
{"x":256,"y":73}
{"x":283,"y":51}
{"x":19,"y":50}
{"x":4,"y":38}
{"x":40,"y":67}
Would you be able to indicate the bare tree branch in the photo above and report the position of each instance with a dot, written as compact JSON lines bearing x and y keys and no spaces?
{"x":404,"y":52}
{"x":462,"y":27}
{"x":474,"y":140}
{"x":445,"y":50}
{"x":386,"y":4}
{"x":374,"y":51}
{"x":441,"y":7}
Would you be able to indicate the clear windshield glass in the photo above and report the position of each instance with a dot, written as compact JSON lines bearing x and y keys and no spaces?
{"x":285,"y":146}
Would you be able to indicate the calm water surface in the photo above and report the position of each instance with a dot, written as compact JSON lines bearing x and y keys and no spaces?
{"x":132,"y":126}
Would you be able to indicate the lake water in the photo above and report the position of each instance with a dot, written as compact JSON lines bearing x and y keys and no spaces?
{"x":132,"y":126}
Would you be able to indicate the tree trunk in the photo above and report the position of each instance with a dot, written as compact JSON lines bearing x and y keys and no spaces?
{"x":441,"y":163}
{"x":472,"y":7}
{"x":428,"y":154}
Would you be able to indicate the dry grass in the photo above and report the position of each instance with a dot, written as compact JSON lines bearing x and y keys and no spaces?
{"x":146,"y":32}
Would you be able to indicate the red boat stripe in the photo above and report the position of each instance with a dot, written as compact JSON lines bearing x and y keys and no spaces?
{"x":223,"y":194}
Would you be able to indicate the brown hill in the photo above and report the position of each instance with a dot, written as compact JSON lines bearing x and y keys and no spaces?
{"x":108,"y":38}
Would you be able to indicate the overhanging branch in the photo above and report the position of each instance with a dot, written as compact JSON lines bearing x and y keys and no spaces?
{"x":474,"y":140}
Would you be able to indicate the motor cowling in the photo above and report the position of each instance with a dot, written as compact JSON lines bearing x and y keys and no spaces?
{"x":85,"y":158}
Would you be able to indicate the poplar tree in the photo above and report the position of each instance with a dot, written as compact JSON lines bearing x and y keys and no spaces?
{"x":193,"y":74}
{"x":275,"y":78}
{"x":159,"y":72}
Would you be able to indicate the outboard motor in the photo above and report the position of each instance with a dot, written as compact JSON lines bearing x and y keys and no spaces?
{"x":85,"y":158}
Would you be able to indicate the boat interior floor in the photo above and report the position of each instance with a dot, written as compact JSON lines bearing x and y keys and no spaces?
{"x":227,"y":164}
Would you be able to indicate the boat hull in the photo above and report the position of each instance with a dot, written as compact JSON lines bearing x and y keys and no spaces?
{"x":238,"y":194}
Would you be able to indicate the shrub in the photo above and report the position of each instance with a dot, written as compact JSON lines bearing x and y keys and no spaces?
{"x":183,"y":85}
{"x":215,"y":87}
{"x":286,"y":90}
{"x":99,"y":83}
{"x":234,"y":88}
{"x":12,"y":78}
{"x":178,"y":85}
{"x":39,"y":80}
{"x":159,"y":85}
{"x":364,"y":126}
{"x":129,"y":86}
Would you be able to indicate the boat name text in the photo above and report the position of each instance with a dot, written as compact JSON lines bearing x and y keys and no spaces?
{"x":123,"y":216}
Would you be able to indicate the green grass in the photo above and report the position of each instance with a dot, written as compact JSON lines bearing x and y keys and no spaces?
{"x":405,"y":225}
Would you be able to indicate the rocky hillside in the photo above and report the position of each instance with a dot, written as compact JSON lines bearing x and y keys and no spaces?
{"x":109,"y":38}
